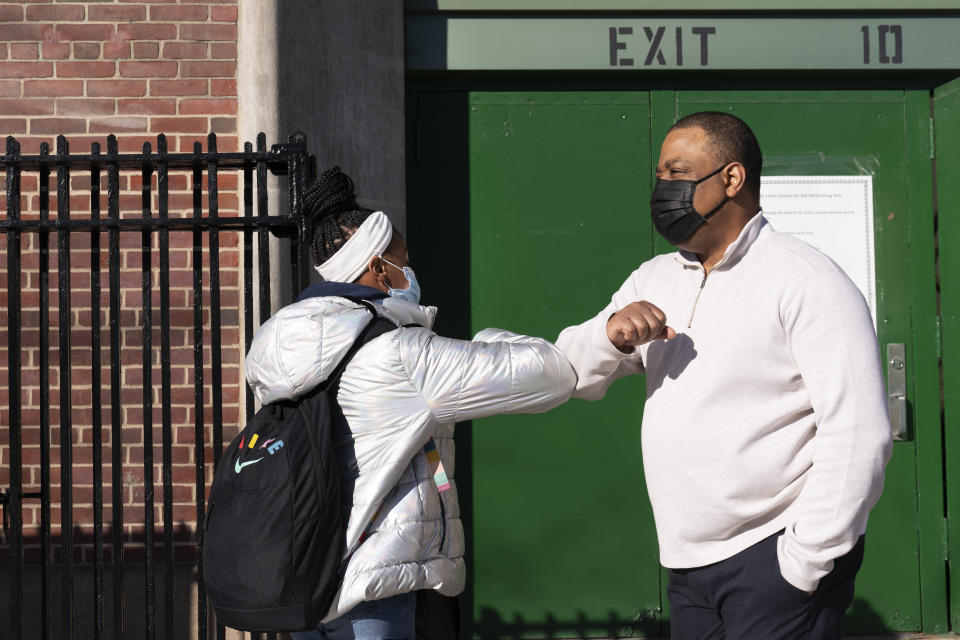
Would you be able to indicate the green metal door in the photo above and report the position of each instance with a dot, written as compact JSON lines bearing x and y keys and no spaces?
{"x":534,"y":205}
{"x":884,"y":134}
{"x":947,"y":120}
{"x":563,"y":543}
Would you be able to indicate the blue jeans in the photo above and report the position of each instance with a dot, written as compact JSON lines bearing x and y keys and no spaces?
{"x":388,"y":619}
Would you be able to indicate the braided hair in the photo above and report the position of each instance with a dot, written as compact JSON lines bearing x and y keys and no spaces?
{"x":330,"y":203}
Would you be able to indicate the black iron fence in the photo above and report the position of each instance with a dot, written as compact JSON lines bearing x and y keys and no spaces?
{"x":48,"y":606}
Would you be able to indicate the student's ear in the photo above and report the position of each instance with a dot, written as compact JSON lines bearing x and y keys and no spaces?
{"x":378,"y":269}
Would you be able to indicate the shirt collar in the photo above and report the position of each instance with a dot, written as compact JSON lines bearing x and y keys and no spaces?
{"x":735,"y":250}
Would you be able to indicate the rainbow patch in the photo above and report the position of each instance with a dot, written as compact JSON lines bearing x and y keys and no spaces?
{"x":436,"y":466}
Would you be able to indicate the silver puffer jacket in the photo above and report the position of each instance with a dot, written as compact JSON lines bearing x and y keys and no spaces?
{"x":400,"y":390}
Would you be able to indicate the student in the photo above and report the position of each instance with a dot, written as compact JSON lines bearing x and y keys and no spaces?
{"x":400,"y":396}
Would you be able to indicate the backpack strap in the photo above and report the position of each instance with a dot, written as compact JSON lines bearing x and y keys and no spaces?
{"x":374,"y":329}
{"x":377,"y":326}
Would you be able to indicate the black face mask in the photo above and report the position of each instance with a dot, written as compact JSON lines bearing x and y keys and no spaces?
{"x":671,"y":207}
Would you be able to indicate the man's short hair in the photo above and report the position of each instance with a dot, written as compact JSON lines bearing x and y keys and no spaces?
{"x":733,"y":141}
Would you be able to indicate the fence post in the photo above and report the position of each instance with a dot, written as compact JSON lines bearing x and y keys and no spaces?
{"x":13,"y":361}
{"x":66,"y":369}
{"x":297,"y":161}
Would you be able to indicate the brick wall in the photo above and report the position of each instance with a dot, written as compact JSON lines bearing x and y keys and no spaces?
{"x":134,"y":69}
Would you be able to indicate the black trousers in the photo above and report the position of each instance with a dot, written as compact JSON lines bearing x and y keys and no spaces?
{"x":746,"y":598}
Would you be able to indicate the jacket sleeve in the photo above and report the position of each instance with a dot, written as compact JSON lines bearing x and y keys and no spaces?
{"x":597,"y":362}
{"x":498,"y":372}
{"x":832,"y":339}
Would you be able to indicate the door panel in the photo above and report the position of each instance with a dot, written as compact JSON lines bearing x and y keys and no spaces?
{"x":562,"y":525}
{"x":560,"y":533}
{"x":947,"y":119}
{"x":839,"y":133}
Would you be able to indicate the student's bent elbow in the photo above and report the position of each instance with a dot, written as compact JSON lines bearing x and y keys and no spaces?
{"x":542,"y":377}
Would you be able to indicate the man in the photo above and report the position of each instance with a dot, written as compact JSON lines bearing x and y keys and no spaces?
{"x":765,"y":430}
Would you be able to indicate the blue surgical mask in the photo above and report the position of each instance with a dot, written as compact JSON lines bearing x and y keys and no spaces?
{"x":412,"y":292}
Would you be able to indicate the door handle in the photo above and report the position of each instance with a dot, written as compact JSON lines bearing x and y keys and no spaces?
{"x":897,"y":405}
{"x":897,"y":390}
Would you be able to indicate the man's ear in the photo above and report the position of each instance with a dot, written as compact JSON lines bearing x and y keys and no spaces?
{"x":736,"y":177}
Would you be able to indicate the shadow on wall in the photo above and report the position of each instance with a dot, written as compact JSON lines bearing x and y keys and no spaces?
{"x":866,"y":620}
{"x":491,"y":626}
{"x":341,"y":81}
{"x":173,"y":604}
{"x":134,"y":590}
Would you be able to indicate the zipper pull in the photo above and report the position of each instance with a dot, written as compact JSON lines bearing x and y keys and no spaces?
{"x":697,"y":299}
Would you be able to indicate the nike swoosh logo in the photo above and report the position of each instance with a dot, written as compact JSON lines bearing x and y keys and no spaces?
{"x":240,"y":465}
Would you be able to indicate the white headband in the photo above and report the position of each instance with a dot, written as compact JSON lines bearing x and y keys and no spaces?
{"x":351,"y":259}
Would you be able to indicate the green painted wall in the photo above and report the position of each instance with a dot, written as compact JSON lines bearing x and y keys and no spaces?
{"x":526,"y":188}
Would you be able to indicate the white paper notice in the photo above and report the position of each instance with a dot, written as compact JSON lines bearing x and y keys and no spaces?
{"x":832,"y":213}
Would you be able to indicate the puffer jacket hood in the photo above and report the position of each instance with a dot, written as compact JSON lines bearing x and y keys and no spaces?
{"x":401,"y":390}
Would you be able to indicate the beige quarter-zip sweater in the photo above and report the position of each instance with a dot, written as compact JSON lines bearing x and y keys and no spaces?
{"x":766,"y":412}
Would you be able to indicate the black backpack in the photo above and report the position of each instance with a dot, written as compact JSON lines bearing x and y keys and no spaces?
{"x":274,"y":535}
